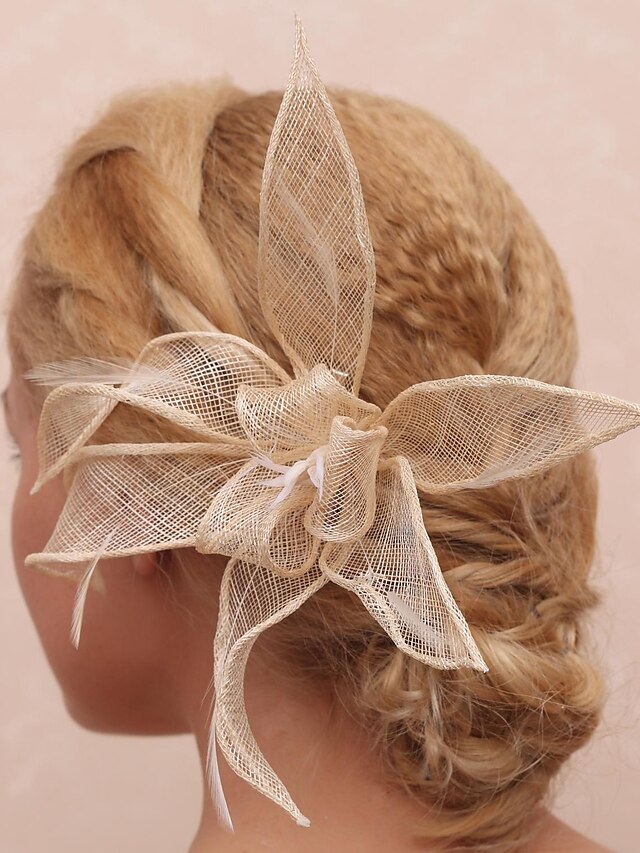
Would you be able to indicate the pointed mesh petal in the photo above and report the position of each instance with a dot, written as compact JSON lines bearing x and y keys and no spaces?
{"x":316,"y":266}
{"x":300,"y":414}
{"x":348,"y":503}
{"x":395,"y":572}
{"x":191,"y":378}
{"x":152,"y":496}
{"x":210,"y":366}
{"x":252,"y":599}
{"x":70,"y":415}
{"x":474,"y":431}
{"x":244,"y":521}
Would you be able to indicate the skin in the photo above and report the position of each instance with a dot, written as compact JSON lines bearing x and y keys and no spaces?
{"x":144,"y":665}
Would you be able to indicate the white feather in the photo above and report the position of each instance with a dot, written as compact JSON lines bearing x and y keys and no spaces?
{"x":78,"y":606}
{"x":81,"y":591}
{"x":81,"y":369}
{"x":427,"y":632}
{"x":215,"y":782}
{"x":110,"y":372}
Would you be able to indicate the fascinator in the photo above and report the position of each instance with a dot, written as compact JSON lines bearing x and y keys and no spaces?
{"x":293,"y":476}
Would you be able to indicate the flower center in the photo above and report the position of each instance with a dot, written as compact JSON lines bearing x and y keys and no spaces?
{"x":313,"y":464}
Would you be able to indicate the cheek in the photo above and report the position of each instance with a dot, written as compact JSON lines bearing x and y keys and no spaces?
{"x":33,"y":518}
{"x":49,"y":599}
{"x":110,"y":683}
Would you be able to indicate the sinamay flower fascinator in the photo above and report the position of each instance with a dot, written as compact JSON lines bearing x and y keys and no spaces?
{"x":295,"y":478}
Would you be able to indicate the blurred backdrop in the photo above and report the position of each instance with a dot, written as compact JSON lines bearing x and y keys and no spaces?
{"x":549,"y":91}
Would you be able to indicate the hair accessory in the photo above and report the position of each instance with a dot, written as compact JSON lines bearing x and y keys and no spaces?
{"x":297,"y":479}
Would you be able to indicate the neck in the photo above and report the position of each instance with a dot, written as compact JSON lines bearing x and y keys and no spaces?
{"x":324,"y":758}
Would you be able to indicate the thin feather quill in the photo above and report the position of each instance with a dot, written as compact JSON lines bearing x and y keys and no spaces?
{"x":81,"y":591}
{"x":409,"y":615}
{"x":215,"y":781}
{"x":110,"y":372}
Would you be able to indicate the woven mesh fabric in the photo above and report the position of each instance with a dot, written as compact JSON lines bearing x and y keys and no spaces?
{"x":191,"y":378}
{"x":314,"y":244}
{"x":294,"y":478}
{"x":255,"y":599}
{"x":474,"y":431}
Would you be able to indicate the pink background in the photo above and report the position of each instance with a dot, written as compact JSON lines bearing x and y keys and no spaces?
{"x":549,"y":92}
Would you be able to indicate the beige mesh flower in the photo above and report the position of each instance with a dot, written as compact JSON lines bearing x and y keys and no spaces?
{"x":297,"y":480}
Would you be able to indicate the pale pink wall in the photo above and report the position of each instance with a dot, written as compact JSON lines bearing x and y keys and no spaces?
{"x":549,"y":91}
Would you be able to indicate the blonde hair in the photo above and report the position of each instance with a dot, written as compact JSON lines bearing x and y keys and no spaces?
{"x":152,"y":227}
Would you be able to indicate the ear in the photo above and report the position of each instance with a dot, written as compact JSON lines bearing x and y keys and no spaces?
{"x":145,"y":565}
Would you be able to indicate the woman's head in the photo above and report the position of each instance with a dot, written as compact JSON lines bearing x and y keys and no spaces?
{"x":152,"y":227}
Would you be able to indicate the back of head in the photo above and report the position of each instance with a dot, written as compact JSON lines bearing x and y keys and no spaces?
{"x":152,"y":227}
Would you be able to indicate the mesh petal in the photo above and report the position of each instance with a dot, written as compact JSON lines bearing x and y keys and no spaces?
{"x":242,"y":521}
{"x":252,"y":599}
{"x":474,"y":431}
{"x":191,"y":378}
{"x":347,"y":506}
{"x":152,"y":496}
{"x":300,"y":414}
{"x":395,"y":572}
{"x":316,"y":265}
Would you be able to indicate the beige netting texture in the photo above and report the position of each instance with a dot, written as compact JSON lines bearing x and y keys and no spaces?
{"x":297,"y":480}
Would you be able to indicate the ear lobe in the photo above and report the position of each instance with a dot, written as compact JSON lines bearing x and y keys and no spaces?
{"x":145,"y":565}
